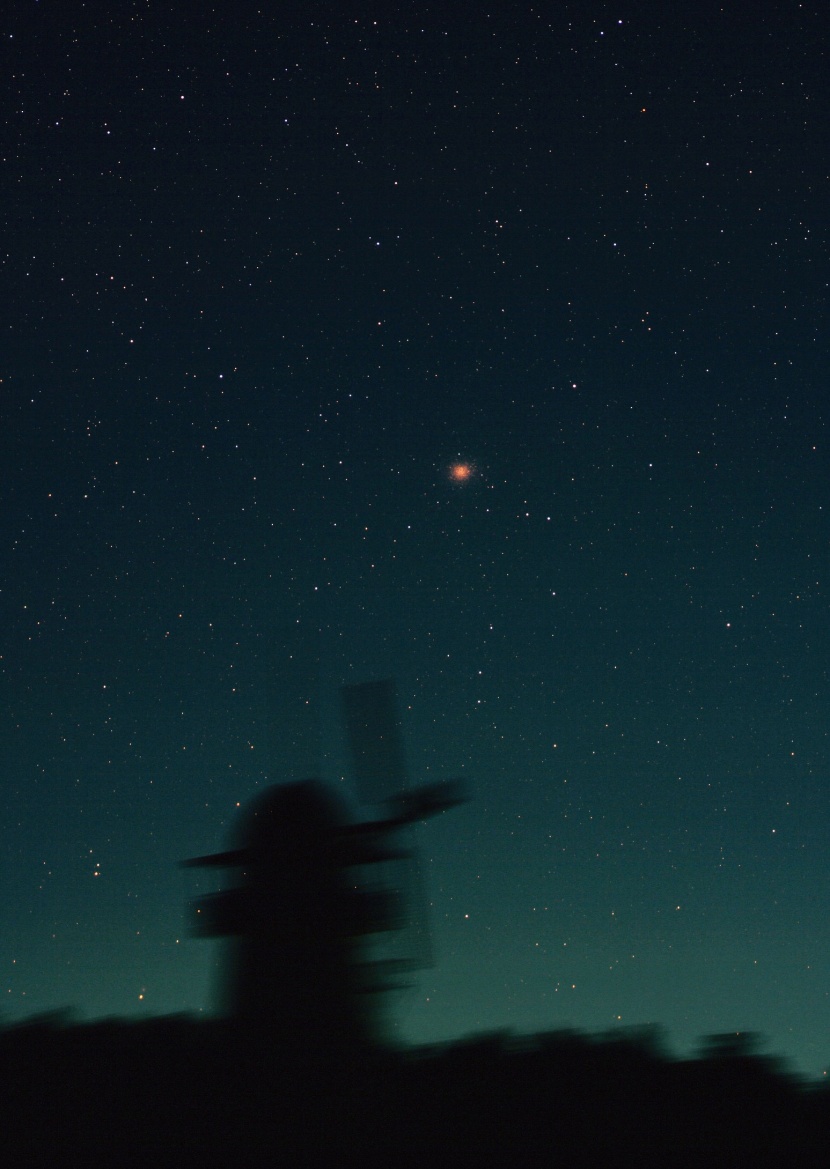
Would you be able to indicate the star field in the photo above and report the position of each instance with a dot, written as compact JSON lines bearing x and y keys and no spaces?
{"x":484,"y":352}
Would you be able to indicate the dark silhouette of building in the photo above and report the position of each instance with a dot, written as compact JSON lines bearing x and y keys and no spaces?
{"x":311,"y":892}
{"x":301,"y":911}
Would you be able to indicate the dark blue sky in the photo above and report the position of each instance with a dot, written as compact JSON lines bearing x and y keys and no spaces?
{"x":265,"y":281}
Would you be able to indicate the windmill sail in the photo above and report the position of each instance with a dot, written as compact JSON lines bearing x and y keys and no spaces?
{"x":375,"y":742}
{"x":374,"y":738}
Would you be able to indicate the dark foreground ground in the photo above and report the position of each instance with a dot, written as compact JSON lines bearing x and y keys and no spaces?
{"x":182,"y":1093}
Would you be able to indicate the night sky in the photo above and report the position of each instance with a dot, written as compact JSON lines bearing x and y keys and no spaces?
{"x":265,"y":281}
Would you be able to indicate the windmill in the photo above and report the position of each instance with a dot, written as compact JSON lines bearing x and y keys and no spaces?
{"x":326,"y":913}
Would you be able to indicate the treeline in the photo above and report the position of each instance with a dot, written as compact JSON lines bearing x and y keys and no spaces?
{"x":184,"y":1092}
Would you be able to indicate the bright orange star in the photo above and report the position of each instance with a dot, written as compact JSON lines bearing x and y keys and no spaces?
{"x":461,"y":472}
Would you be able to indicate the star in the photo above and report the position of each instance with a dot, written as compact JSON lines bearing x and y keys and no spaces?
{"x":461,"y":472}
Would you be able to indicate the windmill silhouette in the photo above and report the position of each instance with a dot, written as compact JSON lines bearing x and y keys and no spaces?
{"x":315,"y":892}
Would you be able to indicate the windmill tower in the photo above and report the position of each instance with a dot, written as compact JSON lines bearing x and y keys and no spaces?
{"x":314,"y":890}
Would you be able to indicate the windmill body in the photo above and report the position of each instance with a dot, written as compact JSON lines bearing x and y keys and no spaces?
{"x":303,"y":906}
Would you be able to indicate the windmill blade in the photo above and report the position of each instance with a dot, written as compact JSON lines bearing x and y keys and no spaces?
{"x":404,"y":945}
{"x":374,"y":738}
{"x":375,"y":743}
{"x":234,"y":858}
{"x":420,"y":939}
{"x":429,"y":799}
